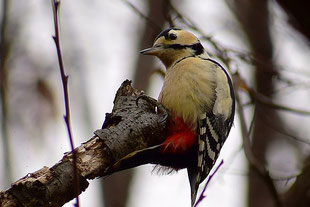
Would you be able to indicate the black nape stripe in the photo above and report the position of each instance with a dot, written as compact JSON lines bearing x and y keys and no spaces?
{"x":198,"y":48}
{"x":165,"y":33}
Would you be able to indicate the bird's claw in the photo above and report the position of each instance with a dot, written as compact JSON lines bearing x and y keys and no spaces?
{"x":160,"y":108}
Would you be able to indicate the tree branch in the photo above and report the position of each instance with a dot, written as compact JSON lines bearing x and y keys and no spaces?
{"x":131,"y":135}
{"x":64,"y":79}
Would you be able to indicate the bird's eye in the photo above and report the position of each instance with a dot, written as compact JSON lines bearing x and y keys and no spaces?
{"x":172,"y":36}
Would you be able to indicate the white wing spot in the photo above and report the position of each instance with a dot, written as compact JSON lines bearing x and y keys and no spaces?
{"x":201,"y":146}
{"x":198,"y":178}
{"x":218,"y":146}
{"x":210,"y":152}
{"x":203,"y":116}
{"x":213,"y":133}
{"x":203,"y":130}
{"x":199,"y":160}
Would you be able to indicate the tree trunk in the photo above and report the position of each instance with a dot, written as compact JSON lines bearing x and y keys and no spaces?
{"x":254,"y":18}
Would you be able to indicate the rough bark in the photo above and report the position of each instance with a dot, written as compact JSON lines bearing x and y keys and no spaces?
{"x":53,"y":186}
{"x":130,"y":136}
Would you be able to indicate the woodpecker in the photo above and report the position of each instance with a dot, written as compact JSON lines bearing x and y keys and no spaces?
{"x":199,"y":93}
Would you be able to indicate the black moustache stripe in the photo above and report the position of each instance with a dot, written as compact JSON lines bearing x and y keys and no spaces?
{"x":198,"y":48}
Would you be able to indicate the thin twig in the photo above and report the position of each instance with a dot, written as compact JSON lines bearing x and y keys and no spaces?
{"x":259,"y":98}
{"x":64,"y":79}
{"x":253,"y":161}
{"x":252,"y":122}
{"x":268,"y":102}
{"x":202,"y":196}
{"x":262,"y":99}
{"x":167,"y":13}
{"x":280,"y":129}
{"x":189,"y":23}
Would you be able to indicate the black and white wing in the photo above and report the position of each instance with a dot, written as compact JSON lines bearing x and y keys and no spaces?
{"x":213,"y":129}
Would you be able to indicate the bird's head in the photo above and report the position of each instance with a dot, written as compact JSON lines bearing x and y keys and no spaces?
{"x":173,"y":44}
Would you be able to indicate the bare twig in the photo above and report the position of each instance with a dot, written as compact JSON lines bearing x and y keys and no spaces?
{"x":253,"y":161}
{"x":282,"y":130}
{"x":64,"y":79}
{"x":221,"y":51}
{"x":252,"y":123}
{"x":202,"y":196}
{"x":167,"y":13}
{"x":268,"y":102}
{"x":259,"y":98}
{"x":262,"y":99}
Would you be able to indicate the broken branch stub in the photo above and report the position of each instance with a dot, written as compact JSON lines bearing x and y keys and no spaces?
{"x":135,"y":128}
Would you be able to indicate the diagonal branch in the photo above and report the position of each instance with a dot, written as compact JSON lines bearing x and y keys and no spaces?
{"x":64,"y":79}
{"x":262,"y":99}
{"x":131,"y":136}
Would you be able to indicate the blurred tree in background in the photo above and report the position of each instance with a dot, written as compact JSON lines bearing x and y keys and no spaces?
{"x":116,"y":187}
{"x":270,"y":128}
{"x":273,"y":95}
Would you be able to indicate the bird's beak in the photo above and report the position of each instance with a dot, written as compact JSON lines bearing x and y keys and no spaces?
{"x":152,"y":51}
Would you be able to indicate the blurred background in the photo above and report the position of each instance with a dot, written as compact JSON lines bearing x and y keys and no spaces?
{"x":263,"y":43}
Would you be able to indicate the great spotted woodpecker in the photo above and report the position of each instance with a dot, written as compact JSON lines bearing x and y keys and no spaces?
{"x":199,"y":93}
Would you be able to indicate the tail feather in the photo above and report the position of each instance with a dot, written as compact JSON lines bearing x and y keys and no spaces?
{"x":193,"y":176}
